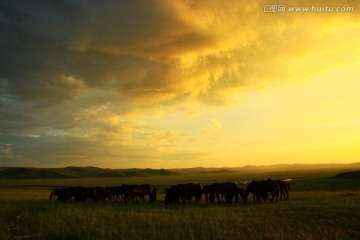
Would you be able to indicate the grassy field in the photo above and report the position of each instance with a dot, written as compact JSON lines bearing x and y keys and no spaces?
{"x":320,"y":207}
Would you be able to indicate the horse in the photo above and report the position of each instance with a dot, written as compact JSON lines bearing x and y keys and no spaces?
{"x":186,"y":192}
{"x":172,"y":195}
{"x":284,"y":189}
{"x":54,"y":194}
{"x":64,"y":195}
{"x":137,"y":195}
{"x":69,"y":194}
{"x":262,"y":191}
{"x":198,"y":192}
{"x":183,"y":193}
{"x":287,"y":189}
{"x":79,"y":194}
{"x":147,"y":189}
{"x":179,"y":193}
{"x":98,"y":194}
{"x":226,"y":189}
{"x":241,"y":192}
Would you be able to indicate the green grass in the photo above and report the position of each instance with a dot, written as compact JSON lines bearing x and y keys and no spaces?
{"x":319,"y":208}
{"x":320,"y":215}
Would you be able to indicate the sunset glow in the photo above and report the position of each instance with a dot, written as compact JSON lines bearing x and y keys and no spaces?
{"x":172,"y":84}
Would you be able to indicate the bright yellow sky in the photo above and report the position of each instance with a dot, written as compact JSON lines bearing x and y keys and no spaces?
{"x":314,"y":120}
{"x":172,"y":84}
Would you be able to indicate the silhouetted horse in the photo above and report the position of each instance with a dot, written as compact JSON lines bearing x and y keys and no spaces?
{"x":146,"y":189}
{"x":188,"y":191}
{"x":183,"y":193}
{"x":172,"y":195}
{"x":69,"y":194}
{"x":241,"y":192}
{"x":287,"y":189}
{"x":99,"y":194}
{"x":64,"y":195}
{"x":54,"y":194}
{"x":220,"y":190}
{"x":149,"y":190}
{"x":198,"y":192}
{"x":137,"y":195}
{"x":284,"y":189}
{"x":113,"y":193}
{"x":262,"y":191}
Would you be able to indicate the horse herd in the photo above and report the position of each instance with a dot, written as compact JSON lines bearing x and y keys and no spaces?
{"x":263,"y":191}
{"x":127,"y":193}
{"x":226,"y":192}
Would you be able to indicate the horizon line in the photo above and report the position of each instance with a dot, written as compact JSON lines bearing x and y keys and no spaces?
{"x":244,"y":166}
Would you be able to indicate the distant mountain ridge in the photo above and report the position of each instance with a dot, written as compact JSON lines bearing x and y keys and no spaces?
{"x":96,"y":172}
{"x":352,"y":174}
{"x":275,"y":167}
{"x":78,"y":172}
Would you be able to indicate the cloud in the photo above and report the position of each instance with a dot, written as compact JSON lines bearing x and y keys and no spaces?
{"x":154,"y":51}
{"x":84,"y":74}
{"x":131,"y":145}
{"x":5,"y":149}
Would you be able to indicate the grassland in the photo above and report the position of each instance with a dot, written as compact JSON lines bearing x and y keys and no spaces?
{"x":320,"y":207}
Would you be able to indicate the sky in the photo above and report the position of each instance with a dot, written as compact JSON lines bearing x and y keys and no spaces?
{"x":178,"y":84}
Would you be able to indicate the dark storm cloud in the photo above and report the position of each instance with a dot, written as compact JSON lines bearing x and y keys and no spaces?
{"x":107,"y":44}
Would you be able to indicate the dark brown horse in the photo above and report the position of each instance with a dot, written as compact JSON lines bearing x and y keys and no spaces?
{"x":263,"y":191}
{"x":137,"y":195}
{"x":54,"y":194}
{"x":287,"y":189}
{"x":284,"y":189}
{"x":147,"y":189}
{"x":188,"y":191}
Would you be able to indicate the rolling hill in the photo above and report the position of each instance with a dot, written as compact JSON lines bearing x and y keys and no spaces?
{"x":96,"y":172}
{"x":351,"y":174}
{"x":77,"y":172}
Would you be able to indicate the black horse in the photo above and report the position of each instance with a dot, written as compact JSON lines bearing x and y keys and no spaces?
{"x":228,"y":190}
{"x":70,"y":194}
